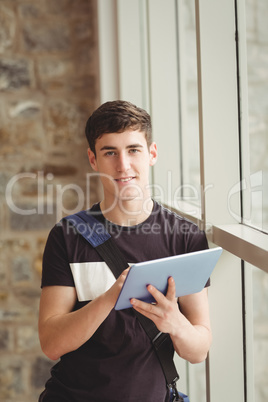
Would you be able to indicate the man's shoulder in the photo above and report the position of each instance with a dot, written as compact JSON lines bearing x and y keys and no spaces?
{"x":73,"y":219}
{"x":167,"y":214}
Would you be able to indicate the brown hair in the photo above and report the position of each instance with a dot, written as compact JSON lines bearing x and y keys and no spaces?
{"x":116,"y":117}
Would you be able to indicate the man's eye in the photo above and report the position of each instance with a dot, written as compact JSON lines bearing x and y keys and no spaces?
{"x":134,"y":151}
{"x":110,"y":153}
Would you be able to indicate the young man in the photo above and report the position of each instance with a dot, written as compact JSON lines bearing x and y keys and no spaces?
{"x":105,"y":355}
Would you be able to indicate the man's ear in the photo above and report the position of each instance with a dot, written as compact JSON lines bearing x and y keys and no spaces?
{"x":92,"y":159}
{"x":153,"y":153}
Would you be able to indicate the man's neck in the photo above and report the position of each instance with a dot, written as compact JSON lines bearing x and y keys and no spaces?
{"x":127,"y":213}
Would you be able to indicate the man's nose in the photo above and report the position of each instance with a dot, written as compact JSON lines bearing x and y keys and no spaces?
{"x":123,"y":163}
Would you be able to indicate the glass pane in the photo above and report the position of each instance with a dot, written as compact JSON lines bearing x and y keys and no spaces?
{"x":257,"y":53}
{"x":190,"y":158}
{"x":189,"y":102}
{"x":260,"y":333}
{"x":198,"y":382}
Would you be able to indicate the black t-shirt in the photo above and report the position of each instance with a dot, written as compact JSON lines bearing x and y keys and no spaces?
{"x":118,"y":362}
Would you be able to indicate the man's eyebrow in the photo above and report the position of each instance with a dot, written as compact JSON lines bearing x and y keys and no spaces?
{"x":135,"y":146}
{"x":105,"y":147}
{"x":110,"y":147}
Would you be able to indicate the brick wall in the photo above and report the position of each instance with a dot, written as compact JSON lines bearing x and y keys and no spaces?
{"x":48,"y":87}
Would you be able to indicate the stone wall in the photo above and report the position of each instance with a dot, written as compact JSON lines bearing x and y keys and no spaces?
{"x":48,"y":87}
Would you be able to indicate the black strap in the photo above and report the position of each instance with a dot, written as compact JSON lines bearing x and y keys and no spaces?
{"x":95,"y":233}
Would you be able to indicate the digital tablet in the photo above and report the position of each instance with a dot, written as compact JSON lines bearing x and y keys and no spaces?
{"x":190,"y":271}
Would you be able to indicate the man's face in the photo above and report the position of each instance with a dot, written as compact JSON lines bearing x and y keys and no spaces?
{"x":123,"y":161}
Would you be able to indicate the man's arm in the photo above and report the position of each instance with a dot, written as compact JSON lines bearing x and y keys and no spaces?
{"x":188,"y":326}
{"x":62,"y":330}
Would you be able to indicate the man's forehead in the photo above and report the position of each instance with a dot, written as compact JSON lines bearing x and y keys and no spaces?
{"x":129,"y":138}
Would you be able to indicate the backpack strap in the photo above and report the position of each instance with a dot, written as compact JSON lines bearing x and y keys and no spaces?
{"x":95,"y":233}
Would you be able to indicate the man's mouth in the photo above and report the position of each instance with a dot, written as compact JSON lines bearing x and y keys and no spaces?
{"x":124,"y":179}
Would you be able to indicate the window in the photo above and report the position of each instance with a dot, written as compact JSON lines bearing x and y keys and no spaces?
{"x":257,"y":80}
{"x":260,"y":332}
{"x":189,"y":120}
{"x":184,"y":62}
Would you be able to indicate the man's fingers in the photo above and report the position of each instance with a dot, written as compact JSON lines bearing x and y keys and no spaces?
{"x":159,"y":297}
{"x":161,"y":300}
{"x":146,"y":309}
{"x":171,"y":292}
{"x":124,"y":273}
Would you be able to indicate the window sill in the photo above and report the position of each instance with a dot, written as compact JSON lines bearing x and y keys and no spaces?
{"x":244,"y":242}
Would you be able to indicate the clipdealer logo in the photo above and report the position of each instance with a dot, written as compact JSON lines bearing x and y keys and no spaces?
{"x":50,"y":195}
{"x":254,"y":192}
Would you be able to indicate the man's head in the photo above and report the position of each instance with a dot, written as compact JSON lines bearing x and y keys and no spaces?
{"x":117,"y":117}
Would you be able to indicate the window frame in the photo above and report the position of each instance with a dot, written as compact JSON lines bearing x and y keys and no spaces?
{"x":222,"y":228}
{"x":222,"y":102}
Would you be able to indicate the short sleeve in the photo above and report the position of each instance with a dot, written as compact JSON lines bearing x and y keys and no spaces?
{"x":197,"y":241}
{"x":56,"y":268}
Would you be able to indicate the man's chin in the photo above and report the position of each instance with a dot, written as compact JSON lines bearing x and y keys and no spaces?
{"x":129,"y":198}
{"x":130,"y":194}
